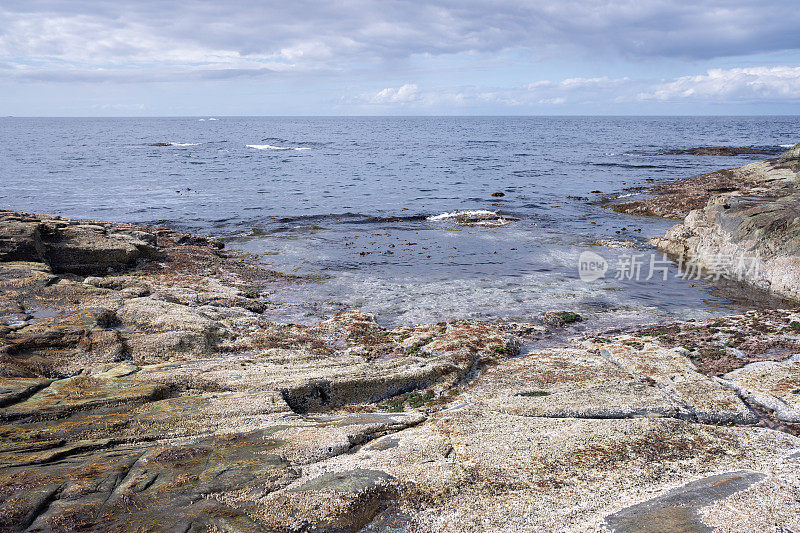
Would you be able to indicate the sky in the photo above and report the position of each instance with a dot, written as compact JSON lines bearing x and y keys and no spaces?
{"x":392,"y":57}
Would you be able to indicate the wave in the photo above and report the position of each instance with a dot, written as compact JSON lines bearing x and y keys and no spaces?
{"x":173,"y":144}
{"x":280,"y":141}
{"x":352,"y":218}
{"x":627,"y":165}
{"x":476,"y":217}
{"x":786,"y":145}
{"x":272,"y":147}
{"x":455,"y":214}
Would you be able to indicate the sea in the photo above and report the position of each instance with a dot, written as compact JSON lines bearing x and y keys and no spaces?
{"x":365,"y":210}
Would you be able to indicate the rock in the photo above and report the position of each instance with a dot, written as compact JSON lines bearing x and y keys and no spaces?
{"x":498,"y":194}
{"x":20,"y":239}
{"x":71,"y":246}
{"x":721,"y":151}
{"x":162,"y":329}
{"x":82,"y":393}
{"x":473,"y":218}
{"x":155,"y":399}
{"x":334,"y":501}
{"x":773,"y":178}
{"x":792,"y":154}
{"x":16,"y":390}
{"x":677,"y":510}
{"x":745,"y":240}
{"x":741,"y":224}
{"x":772,"y":385}
{"x":561,"y":318}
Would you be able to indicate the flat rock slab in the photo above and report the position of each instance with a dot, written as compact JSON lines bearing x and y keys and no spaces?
{"x":677,"y":510}
{"x":348,"y":481}
{"x":774,"y":385}
{"x":626,"y":379}
{"x":15,"y":390}
{"x":83,"y":393}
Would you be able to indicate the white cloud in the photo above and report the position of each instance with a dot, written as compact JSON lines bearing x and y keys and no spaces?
{"x":780,"y":83}
{"x":736,"y":84}
{"x":406,"y":93}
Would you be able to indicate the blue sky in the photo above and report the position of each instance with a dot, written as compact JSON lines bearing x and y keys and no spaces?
{"x":367,"y":57}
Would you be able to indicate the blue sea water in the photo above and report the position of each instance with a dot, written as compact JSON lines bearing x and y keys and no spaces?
{"x":348,"y":202}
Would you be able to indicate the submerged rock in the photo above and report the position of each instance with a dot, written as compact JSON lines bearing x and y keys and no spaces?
{"x":721,"y":150}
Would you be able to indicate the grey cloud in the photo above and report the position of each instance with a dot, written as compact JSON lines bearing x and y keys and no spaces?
{"x":329,"y":35}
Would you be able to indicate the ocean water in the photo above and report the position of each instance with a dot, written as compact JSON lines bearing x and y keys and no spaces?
{"x":354,"y":204}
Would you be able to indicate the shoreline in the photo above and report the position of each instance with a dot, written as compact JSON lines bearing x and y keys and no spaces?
{"x":745,"y":212}
{"x":140,"y":385}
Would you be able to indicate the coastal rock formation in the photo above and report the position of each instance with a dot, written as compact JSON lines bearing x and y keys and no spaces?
{"x":157,"y":397}
{"x":773,"y":178}
{"x":72,"y":246}
{"x":741,"y":223}
{"x":721,"y":151}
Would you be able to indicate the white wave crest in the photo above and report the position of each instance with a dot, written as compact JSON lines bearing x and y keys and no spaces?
{"x":271,"y":147}
{"x":786,"y":146}
{"x":183,"y":144}
{"x":462,"y":214}
{"x":479,"y":217}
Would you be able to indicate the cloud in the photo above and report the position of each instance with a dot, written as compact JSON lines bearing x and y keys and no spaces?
{"x":306,"y":35}
{"x":732,"y":85}
{"x":756,"y":84}
{"x":406,"y":93}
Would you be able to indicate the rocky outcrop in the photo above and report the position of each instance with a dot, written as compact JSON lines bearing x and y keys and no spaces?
{"x":721,"y":151}
{"x":773,"y":178}
{"x":72,"y":246}
{"x":750,"y":233}
{"x":740,"y":224}
{"x":161,"y":398}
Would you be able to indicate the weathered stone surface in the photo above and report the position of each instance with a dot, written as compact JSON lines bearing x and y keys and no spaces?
{"x":758,"y":241}
{"x":162,"y":399}
{"x":612,"y":381}
{"x":741,"y":223}
{"x":16,"y":390}
{"x":792,"y":154}
{"x":78,"y":393}
{"x":773,"y":385}
{"x":773,"y":178}
{"x":20,"y":240}
{"x":72,"y":246}
{"x":677,"y":510}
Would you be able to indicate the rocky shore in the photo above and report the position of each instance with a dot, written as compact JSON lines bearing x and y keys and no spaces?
{"x":742,"y":222}
{"x":142,"y":389}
